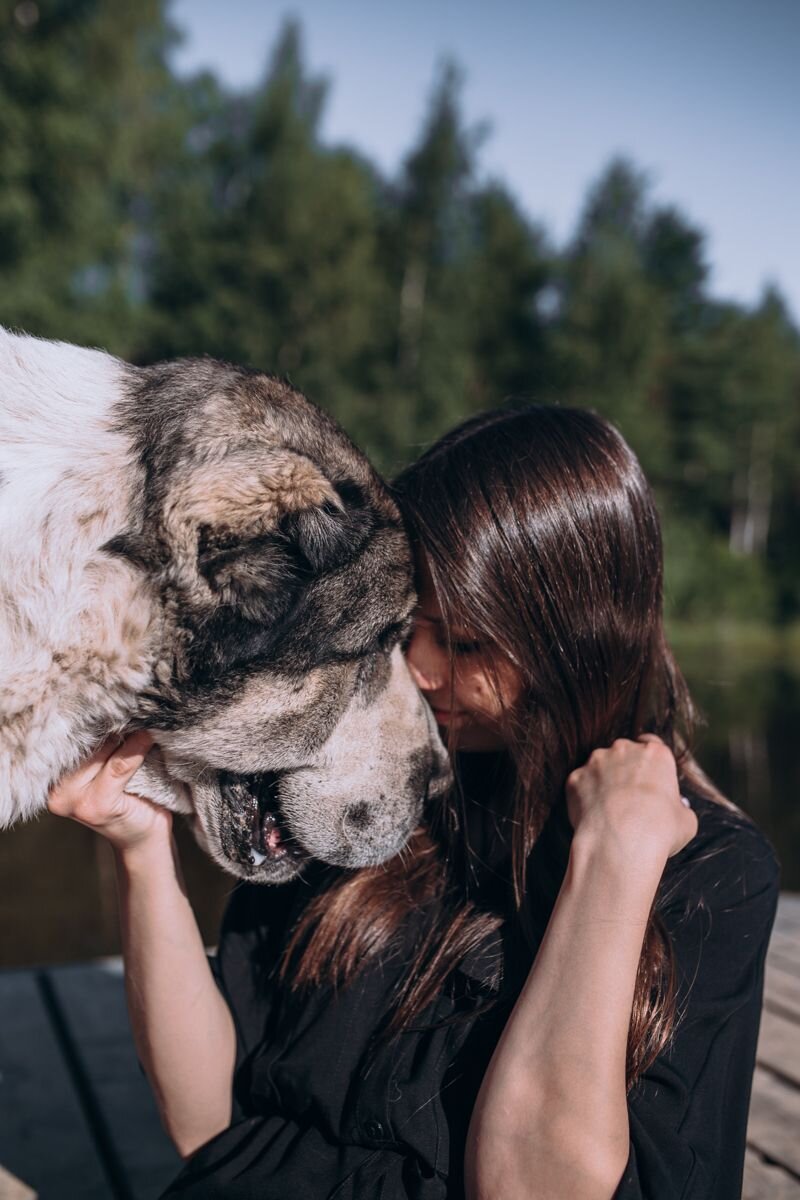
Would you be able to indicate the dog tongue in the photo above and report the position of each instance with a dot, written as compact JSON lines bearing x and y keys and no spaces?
{"x":271,"y":839}
{"x":266,"y":841}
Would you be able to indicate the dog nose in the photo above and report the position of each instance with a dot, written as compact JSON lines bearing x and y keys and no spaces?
{"x":358,"y":817}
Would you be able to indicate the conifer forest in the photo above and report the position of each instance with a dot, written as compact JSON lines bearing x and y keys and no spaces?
{"x":157,"y":216}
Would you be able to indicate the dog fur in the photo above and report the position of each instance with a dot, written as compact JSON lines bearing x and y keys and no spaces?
{"x":195,"y":549}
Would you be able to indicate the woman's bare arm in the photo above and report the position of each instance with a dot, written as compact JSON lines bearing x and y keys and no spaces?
{"x":182,"y":1027}
{"x":551,"y":1117}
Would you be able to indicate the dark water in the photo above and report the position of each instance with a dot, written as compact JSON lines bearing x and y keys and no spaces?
{"x":750,"y":741}
{"x":57,"y":893}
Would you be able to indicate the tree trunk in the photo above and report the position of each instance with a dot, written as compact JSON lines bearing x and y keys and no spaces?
{"x":752,"y":494}
{"x":412,"y":306}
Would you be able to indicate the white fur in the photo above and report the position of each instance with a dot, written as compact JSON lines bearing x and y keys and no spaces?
{"x":78,"y":628}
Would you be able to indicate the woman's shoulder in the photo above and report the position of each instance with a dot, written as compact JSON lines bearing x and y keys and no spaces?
{"x":729,"y":864}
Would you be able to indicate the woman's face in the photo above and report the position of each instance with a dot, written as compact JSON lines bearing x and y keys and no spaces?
{"x":468,"y":708}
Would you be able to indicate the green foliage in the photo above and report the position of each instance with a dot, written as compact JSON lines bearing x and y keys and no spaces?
{"x":161,"y":216}
{"x":83,"y":86}
{"x":708,"y":584}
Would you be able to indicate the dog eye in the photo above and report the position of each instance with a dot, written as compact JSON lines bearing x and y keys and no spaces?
{"x":394,"y":634}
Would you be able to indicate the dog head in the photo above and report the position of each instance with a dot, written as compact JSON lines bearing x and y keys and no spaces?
{"x":281,"y":699}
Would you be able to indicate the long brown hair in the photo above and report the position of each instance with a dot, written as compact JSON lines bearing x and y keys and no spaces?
{"x":542,"y":538}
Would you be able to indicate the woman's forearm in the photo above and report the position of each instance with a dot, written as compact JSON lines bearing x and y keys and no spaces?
{"x":182,"y":1027}
{"x":551,"y":1117}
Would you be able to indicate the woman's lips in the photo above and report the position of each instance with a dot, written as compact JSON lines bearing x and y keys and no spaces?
{"x":443,"y":716}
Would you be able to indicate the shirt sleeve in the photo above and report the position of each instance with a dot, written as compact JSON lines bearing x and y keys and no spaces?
{"x":688,"y":1111}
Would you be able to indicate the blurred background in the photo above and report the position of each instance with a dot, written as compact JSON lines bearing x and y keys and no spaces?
{"x":415,"y":212}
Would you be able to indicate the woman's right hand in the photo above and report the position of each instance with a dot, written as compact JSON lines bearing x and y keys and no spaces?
{"x":95,"y":795}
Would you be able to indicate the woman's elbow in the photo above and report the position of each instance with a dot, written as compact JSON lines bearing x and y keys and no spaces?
{"x":188,"y":1136}
{"x":528,"y":1168}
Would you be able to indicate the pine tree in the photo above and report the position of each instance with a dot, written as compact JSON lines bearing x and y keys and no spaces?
{"x":610,"y":339}
{"x":276,"y":268}
{"x":82,"y":113}
{"x":507,"y":272}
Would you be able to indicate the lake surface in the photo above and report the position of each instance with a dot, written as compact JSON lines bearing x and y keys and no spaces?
{"x":57,"y":891}
{"x":749,"y":742}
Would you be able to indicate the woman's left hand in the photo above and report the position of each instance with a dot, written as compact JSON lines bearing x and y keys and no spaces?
{"x":628,"y":797}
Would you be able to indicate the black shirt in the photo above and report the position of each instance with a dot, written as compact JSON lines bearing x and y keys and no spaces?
{"x":315,"y":1118}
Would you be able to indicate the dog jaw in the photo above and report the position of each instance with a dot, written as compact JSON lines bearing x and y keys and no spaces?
{"x":351,"y":798}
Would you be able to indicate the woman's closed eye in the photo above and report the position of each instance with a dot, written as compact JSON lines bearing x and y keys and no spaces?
{"x":456,"y":641}
{"x":464,"y":646}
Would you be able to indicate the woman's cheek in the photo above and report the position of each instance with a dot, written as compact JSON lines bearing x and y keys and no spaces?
{"x":477,"y":694}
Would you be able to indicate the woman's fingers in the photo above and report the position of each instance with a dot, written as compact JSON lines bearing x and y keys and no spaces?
{"x":688,"y":822}
{"x":95,"y":796}
{"x":124,"y":762}
{"x":629,"y":793}
{"x":90,"y":768}
{"x":97,"y":784}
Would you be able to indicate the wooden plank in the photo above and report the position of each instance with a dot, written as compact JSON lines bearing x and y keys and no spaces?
{"x":784,"y":951}
{"x":779,"y":1046}
{"x":785,"y":941}
{"x":92,"y":1000}
{"x":45,"y":1139}
{"x":786,"y":963}
{"x":775,"y":1120}
{"x":767,"y":1181}
{"x":782,"y":991}
{"x":787,"y":918}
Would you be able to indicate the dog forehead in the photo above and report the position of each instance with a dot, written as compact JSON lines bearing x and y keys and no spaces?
{"x":196,"y":410}
{"x":181,"y":415}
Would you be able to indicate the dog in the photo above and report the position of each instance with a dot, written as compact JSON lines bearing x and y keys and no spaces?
{"x":195,"y":549}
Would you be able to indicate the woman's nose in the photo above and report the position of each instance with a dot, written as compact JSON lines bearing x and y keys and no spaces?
{"x":426,"y":663}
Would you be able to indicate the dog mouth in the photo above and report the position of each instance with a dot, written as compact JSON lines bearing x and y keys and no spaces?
{"x":255,"y":833}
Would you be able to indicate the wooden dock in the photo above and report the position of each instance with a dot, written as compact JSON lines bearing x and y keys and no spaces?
{"x":772,"y":1165}
{"x":77,"y":1121}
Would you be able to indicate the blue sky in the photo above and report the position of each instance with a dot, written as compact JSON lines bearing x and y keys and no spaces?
{"x":704,"y":96}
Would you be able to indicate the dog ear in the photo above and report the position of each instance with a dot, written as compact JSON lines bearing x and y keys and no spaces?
{"x":246,"y":530}
{"x":329,"y":535}
{"x":262,"y":574}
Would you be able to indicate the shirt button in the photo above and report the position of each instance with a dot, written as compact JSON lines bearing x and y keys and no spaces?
{"x":373,"y":1129}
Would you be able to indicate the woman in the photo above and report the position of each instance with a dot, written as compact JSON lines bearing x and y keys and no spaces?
{"x":554,"y":991}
